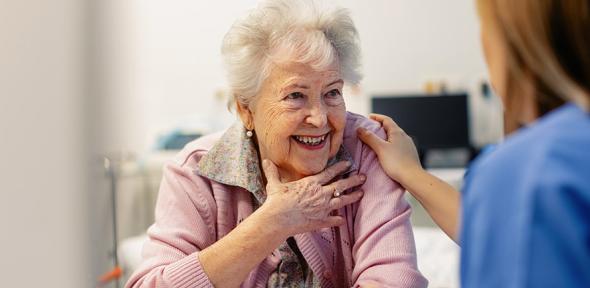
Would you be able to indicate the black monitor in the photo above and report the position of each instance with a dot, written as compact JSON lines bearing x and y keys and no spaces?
{"x":433,"y":121}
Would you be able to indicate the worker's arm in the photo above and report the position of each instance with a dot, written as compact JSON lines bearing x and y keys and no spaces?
{"x":399,"y":158}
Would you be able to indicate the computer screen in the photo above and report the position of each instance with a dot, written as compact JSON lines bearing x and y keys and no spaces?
{"x":433,"y":121}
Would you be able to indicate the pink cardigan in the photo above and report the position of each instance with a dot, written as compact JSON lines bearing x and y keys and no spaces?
{"x":376,"y":246}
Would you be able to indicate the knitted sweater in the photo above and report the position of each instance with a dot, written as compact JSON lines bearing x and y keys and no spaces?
{"x":198,"y":204}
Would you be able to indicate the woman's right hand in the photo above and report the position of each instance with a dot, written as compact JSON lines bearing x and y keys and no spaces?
{"x":397,"y":154}
{"x":290,"y":208}
{"x":306,"y":204}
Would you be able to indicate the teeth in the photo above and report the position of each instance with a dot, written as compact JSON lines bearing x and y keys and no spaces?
{"x":310,"y":140}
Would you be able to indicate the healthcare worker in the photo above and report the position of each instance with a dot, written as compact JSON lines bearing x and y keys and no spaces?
{"x":523,"y":218}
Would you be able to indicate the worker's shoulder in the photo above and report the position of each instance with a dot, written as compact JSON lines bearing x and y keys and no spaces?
{"x":561,"y":134}
{"x":552,"y":151}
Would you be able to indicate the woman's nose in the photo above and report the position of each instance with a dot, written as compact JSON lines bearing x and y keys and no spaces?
{"x":318,"y":116}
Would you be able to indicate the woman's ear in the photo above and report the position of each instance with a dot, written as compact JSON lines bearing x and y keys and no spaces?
{"x":245,"y":115}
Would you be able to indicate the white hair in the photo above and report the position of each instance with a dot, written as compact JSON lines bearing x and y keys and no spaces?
{"x":310,"y":32}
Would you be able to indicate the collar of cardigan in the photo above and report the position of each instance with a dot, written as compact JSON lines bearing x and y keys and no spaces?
{"x":233,"y":161}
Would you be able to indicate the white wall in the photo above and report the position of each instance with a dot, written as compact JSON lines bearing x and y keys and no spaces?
{"x":43,"y":196}
{"x":407,"y":43}
{"x":162,"y":62}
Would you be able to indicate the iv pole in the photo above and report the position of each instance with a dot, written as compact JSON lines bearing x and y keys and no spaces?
{"x":116,"y":272}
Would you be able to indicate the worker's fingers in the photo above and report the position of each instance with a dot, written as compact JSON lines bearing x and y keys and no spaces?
{"x":383,"y":120}
{"x":371,"y":139}
{"x":391,"y":128}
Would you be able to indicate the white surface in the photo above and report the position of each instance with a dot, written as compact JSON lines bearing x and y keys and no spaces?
{"x":438,"y":257}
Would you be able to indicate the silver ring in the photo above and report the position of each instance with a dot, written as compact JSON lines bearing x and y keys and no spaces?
{"x":337,"y":192}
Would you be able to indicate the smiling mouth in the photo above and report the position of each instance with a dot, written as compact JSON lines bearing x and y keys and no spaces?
{"x":312,"y":141}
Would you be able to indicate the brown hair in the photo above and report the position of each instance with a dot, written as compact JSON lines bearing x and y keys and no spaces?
{"x":548,"y":40}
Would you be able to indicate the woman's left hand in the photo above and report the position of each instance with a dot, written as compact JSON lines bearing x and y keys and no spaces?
{"x":306,"y":204}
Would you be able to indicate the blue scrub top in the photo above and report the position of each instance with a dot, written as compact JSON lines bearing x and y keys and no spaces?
{"x":526,"y":207}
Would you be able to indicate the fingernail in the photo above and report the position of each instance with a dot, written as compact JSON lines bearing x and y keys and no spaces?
{"x":361,"y":130}
{"x":264,"y":163}
{"x":348,"y":163}
{"x":363,"y":178}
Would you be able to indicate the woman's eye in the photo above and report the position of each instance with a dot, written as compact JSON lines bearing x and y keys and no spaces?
{"x":294,"y":95}
{"x":334,"y":93}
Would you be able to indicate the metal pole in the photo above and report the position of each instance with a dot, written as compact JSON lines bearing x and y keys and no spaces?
{"x":110,"y":168}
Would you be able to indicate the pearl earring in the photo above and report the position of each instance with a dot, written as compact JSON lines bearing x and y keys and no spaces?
{"x":249,"y":134}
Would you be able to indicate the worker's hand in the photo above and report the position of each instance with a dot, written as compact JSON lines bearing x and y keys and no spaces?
{"x":397,"y":154}
{"x":304,"y":205}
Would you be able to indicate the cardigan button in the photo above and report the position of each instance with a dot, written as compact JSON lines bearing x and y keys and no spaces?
{"x":327,"y":274}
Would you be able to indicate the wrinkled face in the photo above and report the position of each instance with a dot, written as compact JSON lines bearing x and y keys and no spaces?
{"x":298,"y":118}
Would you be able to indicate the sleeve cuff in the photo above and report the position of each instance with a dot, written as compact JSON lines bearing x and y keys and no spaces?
{"x":187,"y":273}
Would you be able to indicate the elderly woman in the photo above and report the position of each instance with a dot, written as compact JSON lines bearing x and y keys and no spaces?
{"x":257,"y":206}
